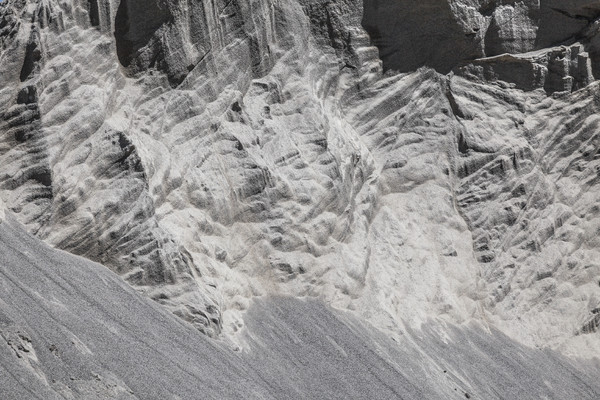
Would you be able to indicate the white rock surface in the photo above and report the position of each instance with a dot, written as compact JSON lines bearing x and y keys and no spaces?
{"x":214,"y":152}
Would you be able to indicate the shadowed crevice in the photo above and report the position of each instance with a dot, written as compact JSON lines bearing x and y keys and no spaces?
{"x":94,"y":12}
{"x":32,"y":57}
{"x":136,"y":26}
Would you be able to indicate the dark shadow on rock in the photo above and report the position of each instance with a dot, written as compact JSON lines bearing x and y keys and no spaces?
{"x":94,"y":12}
{"x":411,"y":34}
{"x":136,"y":26}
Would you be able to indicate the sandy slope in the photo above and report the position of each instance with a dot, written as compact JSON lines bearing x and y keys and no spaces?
{"x":70,"y":328}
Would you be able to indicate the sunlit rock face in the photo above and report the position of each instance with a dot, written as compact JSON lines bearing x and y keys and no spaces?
{"x":176,"y":37}
{"x":211,"y":153}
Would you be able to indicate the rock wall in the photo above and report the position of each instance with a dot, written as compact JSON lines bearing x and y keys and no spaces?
{"x":445,"y":33}
{"x":215,"y":152}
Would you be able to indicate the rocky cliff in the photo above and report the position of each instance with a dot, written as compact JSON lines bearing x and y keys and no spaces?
{"x":406,"y":160}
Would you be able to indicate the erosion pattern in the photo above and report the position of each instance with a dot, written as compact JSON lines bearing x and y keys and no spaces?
{"x":72,"y":329}
{"x":406,"y":160}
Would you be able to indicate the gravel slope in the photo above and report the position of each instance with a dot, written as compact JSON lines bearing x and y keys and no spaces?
{"x":70,"y":328}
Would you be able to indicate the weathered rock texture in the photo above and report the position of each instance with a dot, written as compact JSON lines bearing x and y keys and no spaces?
{"x":71,"y":329}
{"x":214,"y":152}
{"x":444,"y":33}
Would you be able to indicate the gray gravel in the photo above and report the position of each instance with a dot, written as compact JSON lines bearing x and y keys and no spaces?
{"x":70,"y":328}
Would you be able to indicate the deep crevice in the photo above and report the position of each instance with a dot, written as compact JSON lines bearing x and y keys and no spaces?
{"x":136,"y":25}
{"x":32,"y":57}
{"x":94,"y":12}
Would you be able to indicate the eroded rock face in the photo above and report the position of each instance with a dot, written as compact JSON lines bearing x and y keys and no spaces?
{"x":560,"y":69}
{"x":176,"y":37}
{"x":445,"y":33}
{"x":69,"y":328}
{"x":215,"y":152}
{"x":436,"y":33}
